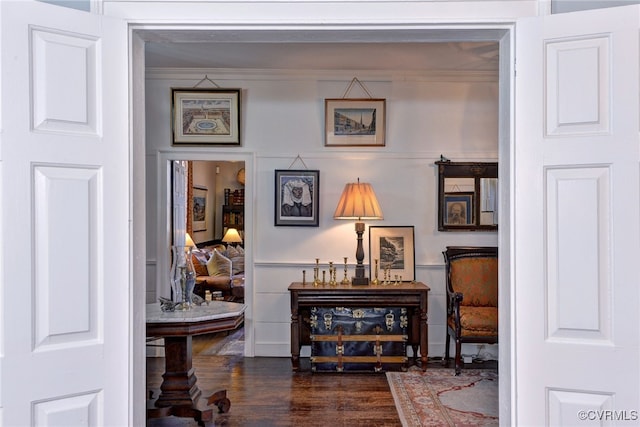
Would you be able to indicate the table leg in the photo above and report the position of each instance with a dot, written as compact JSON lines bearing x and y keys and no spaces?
{"x":424,"y":338}
{"x":295,"y":338}
{"x":179,"y":393}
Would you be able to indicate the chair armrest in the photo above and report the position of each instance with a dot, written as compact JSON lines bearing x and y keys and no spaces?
{"x":454,"y":308}
{"x":454,"y":299}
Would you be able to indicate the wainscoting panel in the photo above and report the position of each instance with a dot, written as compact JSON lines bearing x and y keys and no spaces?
{"x":578,"y":271}
{"x":272,"y":339}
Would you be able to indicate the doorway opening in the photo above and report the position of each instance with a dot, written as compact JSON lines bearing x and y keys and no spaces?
{"x":499,"y":34}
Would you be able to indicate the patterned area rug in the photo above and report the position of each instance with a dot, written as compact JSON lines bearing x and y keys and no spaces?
{"x":230,"y":345}
{"x":438,"y":398}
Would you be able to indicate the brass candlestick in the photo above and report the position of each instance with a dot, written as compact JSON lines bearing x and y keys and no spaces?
{"x":316,"y":272}
{"x":345,"y":281}
{"x":387,"y":275}
{"x":332,"y":279}
{"x":304,"y":277}
{"x":375,"y":280}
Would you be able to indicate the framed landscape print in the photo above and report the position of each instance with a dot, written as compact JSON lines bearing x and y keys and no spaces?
{"x":199,"y":208}
{"x":297,"y":197}
{"x":393,"y":247}
{"x":206,"y":116}
{"x":354,"y":122}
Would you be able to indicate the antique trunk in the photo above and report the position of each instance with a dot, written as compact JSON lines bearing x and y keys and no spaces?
{"x":358,"y":339}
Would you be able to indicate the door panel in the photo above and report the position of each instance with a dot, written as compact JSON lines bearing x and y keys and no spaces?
{"x":65,"y":217}
{"x":576,"y":203}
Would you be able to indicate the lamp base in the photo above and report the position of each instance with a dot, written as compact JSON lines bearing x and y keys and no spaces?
{"x":359,"y":281}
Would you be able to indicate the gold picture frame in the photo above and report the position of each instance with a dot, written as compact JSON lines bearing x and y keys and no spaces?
{"x":355,"y":122}
{"x":200,"y":206}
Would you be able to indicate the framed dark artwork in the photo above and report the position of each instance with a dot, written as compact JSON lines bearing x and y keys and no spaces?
{"x":354,"y":122}
{"x":458,"y":208}
{"x":199,"y":208}
{"x":393,"y":247}
{"x":297,"y":197}
{"x":206,"y":116}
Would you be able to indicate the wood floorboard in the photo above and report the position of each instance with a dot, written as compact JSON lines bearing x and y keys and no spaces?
{"x":264,"y":392}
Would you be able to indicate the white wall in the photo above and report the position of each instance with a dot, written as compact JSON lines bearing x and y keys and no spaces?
{"x":204,"y":176}
{"x":216,"y":176}
{"x":283,"y":116}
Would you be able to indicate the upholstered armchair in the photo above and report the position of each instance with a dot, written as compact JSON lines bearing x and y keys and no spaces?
{"x":472,"y":297}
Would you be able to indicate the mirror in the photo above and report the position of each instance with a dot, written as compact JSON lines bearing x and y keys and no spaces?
{"x":467,"y":196}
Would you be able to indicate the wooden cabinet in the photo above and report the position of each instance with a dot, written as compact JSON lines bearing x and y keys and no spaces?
{"x":233,"y":216}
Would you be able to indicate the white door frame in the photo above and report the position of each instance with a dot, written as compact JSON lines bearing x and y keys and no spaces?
{"x":502,"y":33}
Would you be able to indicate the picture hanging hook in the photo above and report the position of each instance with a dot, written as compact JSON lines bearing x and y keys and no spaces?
{"x":296,"y":159}
{"x":205,"y":79}
{"x":355,"y":80}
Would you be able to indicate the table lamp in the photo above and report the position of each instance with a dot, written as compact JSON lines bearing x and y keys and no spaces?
{"x":232,"y":236}
{"x":358,"y":201}
{"x":188,"y":241}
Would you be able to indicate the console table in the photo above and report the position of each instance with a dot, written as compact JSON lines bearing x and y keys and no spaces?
{"x":180,"y":395}
{"x":412,"y":295}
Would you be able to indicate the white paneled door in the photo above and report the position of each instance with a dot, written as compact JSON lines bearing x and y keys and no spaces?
{"x":65,"y":218}
{"x":577,"y":219}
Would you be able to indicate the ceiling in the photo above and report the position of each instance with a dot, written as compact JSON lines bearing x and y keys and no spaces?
{"x":316,"y":50}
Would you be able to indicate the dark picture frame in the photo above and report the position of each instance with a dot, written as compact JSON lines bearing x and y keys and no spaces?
{"x":355,"y":122}
{"x":393,"y":247}
{"x":475,"y":185}
{"x":296,"y":198}
{"x":206,"y":116}
{"x":458,"y":209}
{"x":199,"y":211}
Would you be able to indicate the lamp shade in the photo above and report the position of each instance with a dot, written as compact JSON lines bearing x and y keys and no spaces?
{"x":232,"y":236}
{"x":358,"y":201}
{"x":188,"y":241}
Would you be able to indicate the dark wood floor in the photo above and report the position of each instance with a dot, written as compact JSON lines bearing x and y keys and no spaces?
{"x":265,"y":392}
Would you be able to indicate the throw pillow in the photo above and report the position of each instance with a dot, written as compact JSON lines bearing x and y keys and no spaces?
{"x":212,"y":265}
{"x":238,"y":264}
{"x":231,"y":252}
{"x":200,"y":263}
{"x":218,"y":265}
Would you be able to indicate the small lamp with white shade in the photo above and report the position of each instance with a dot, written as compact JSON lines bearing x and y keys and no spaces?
{"x":232,"y":236}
